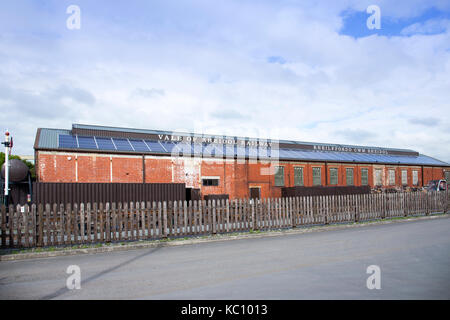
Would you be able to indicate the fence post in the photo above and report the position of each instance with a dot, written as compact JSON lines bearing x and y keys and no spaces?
{"x":164,"y":231}
{"x":82,"y":222}
{"x":68,"y":223}
{"x":427,"y":204}
{"x":175,"y":217}
{"x":357,"y":208}
{"x":108,"y":221}
{"x":252,"y":223}
{"x":446,"y":200}
{"x":33,"y":219}
{"x":227,"y":203}
{"x":160,"y":220}
{"x":405,"y":204}
{"x":326,"y":200}
{"x":26,"y":215}
{"x":3,"y":226}
{"x":294,"y":214}
{"x":19,"y":220}
{"x":289,"y":211}
{"x":195,"y":216}
{"x":40,"y":225}
{"x":101,"y":221}
{"x":388,"y":203}
{"x":214,"y":217}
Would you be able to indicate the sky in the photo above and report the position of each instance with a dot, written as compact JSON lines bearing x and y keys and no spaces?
{"x":291,"y":70}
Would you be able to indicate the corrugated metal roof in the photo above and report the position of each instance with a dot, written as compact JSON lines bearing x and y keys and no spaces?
{"x":49,"y":139}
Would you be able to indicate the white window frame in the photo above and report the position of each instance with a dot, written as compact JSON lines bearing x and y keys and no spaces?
{"x":391,"y":175}
{"x":415,"y":179}
{"x":275,"y":175}
{"x":404,"y":177}
{"x":303,"y":176}
{"x":378,"y":177}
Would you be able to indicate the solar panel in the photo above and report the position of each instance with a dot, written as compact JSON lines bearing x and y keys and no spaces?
{"x":275,"y":153}
{"x":182,"y":148}
{"x":86,"y":143}
{"x":252,"y":153}
{"x":264,"y":153}
{"x":343,"y":156}
{"x":220,"y":150}
{"x":122,"y":144}
{"x":139,"y":145}
{"x":168,"y":146}
{"x":361,"y":157}
{"x":213,"y":150}
{"x":197,"y":148}
{"x":229,"y":151}
{"x":285,"y":154}
{"x":105,"y":143}
{"x":241,"y":152}
{"x":155,"y":146}
{"x":67,"y":141}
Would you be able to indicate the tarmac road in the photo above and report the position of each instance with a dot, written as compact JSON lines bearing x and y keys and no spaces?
{"x":413,"y":256}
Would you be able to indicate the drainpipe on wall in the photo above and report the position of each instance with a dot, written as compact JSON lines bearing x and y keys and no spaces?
{"x":422,"y":178}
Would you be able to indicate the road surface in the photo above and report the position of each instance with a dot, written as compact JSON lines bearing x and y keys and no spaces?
{"x":413,"y":257}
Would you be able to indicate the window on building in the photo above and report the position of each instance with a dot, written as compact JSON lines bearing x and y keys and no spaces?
{"x":404,"y":177}
{"x":298,"y":176}
{"x":213,"y":182}
{"x":378,"y":177}
{"x":349,"y":176}
{"x":334,"y":176}
{"x":279,"y":176}
{"x":364,"y":177}
{"x":317,"y":177}
{"x":447,"y":176}
{"x":415,"y":174}
{"x":392,"y":177}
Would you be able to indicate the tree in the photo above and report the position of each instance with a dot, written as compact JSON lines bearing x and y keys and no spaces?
{"x":29,"y":164}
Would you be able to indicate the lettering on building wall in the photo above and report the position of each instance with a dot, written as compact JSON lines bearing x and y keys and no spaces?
{"x":265,"y":144}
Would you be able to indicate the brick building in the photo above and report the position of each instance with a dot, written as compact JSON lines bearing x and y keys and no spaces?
{"x":240,"y":167}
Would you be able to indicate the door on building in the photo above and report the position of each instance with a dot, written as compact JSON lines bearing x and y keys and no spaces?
{"x":255,"y":193}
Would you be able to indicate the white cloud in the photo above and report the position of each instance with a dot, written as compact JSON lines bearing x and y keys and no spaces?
{"x":205,"y":68}
{"x":428,"y":27}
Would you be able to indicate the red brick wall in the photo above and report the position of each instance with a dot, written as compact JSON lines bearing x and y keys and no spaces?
{"x":127,"y":169}
{"x":56,"y":168}
{"x":158,"y":171}
{"x":236,"y":177}
{"x":433,"y":174}
{"x":94,"y":169}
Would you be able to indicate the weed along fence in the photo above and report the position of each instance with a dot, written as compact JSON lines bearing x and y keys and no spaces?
{"x":58,"y":224}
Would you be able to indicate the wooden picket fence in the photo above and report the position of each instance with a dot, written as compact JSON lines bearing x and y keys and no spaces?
{"x":57,"y":225}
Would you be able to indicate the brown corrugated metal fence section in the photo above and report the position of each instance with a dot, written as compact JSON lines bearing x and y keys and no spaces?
{"x":323,"y":191}
{"x":45,"y":192}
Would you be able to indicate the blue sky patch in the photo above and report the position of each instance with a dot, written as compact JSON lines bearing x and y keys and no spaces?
{"x":276,"y":59}
{"x":355,"y":24}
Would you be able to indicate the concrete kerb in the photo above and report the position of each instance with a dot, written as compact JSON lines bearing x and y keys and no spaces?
{"x":205,"y":239}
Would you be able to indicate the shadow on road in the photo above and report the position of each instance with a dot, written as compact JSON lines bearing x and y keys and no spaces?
{"x":98,"y":275}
